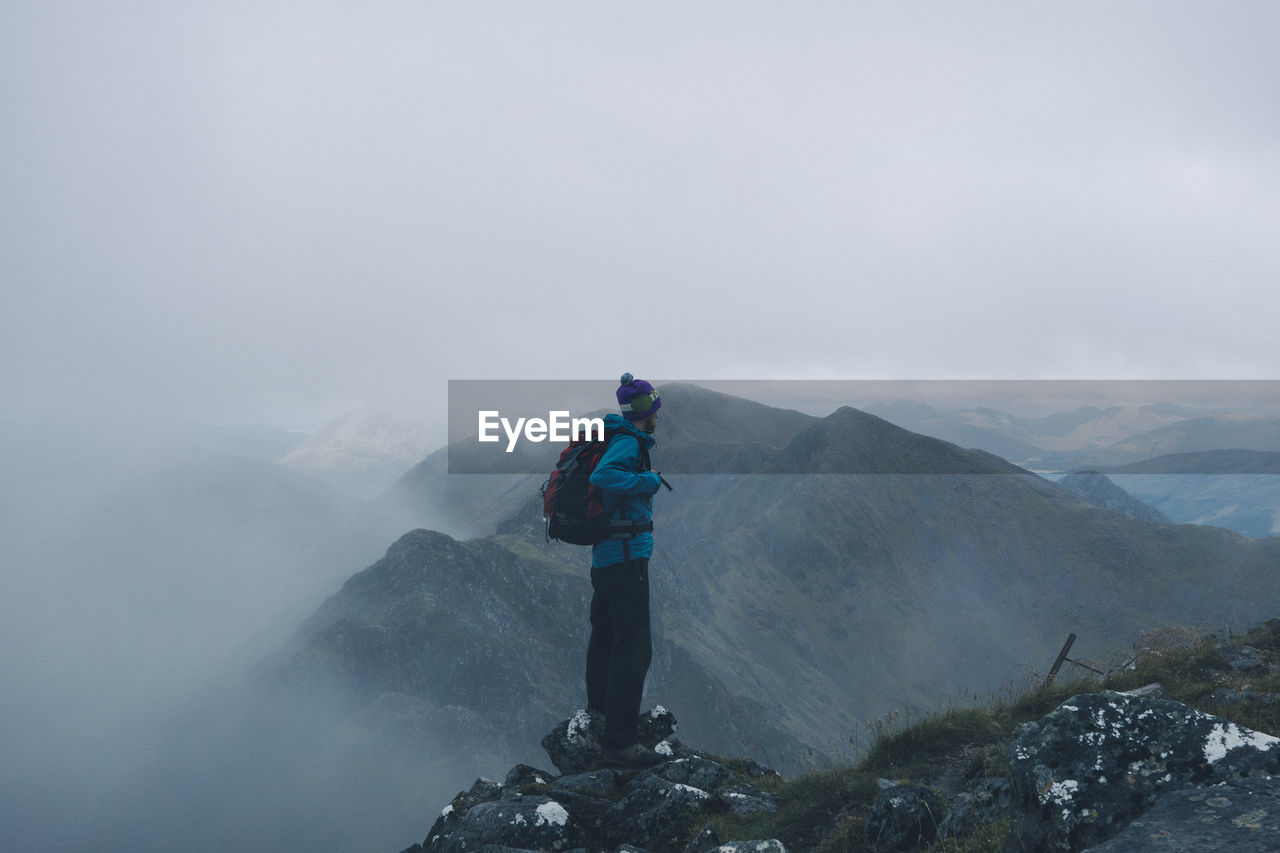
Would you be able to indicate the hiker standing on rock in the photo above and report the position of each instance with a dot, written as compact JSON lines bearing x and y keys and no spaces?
{"x":621,"y":647}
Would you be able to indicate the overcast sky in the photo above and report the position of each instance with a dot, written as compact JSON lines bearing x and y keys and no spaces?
{"x":266,"y":211}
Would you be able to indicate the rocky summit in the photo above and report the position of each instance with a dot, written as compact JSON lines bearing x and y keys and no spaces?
{"x":592,"y":807}
{"x":1103,"y":771}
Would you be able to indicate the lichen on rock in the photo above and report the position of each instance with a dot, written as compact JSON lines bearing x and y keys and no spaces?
{"x":1087,"y":769}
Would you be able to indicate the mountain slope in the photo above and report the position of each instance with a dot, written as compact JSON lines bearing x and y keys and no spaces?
{"x":1215,"y":432}
{"x":803,"y":596}
{"x":1094,"y":487}
{"x":1234,"y":489}
{"x":849,"y":441}
{"x":478,"y":648}
{"x":1078,"y":438}
{"x":857,"y":593}
{"x":1207,"y":462}
{"x":1089,"y":437}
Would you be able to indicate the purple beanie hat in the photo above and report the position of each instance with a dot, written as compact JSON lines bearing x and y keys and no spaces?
{"x":637,"y":398}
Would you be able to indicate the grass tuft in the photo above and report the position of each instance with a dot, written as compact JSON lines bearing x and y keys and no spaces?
{"x":903,"y":753}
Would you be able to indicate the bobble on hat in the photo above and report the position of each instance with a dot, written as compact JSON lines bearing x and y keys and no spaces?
{"x":637,"y":398}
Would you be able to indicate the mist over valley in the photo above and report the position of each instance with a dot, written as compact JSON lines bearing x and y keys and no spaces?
{"x":192,"y":637}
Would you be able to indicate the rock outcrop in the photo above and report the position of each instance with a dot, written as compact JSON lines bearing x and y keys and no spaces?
{"x":1099,"y":762}
{"x":1239,"y":816}
{"x":574,"y":746}
{"x":1102,"y":772}
{"x":903,"y":817}
{"x":593,"y":807}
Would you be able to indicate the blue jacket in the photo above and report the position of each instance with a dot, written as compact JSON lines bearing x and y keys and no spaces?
{"x":619,"y":476}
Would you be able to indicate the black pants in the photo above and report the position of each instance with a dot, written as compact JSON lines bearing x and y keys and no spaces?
{"x":620,"y":649}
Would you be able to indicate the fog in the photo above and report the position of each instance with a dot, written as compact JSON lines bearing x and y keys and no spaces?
{"x":279,"y":212}
{"x":270,"y":214}
{"x":148,"y":593}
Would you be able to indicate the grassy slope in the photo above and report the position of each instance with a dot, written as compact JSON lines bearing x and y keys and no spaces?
{"x":825,"y":810}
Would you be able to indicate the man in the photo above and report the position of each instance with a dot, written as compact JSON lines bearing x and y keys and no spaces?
{"x":620,"y":648}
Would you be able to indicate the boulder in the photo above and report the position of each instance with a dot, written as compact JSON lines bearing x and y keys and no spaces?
{"x":522,"y":775}
{"x":587,"y":795}
{"x":1226,"y":697}
{"x":1087,"y":769}
{"x":743,"y":799}
{"x":903,"y":817}
{"x":704,"y":842}
{"x":656,"y":726}
{"x":1238,"y":816}
{"x":575,"y":746}
{"x":599,"y":783}
{"x":988,"y":802}
{"x":1245,"y":659}
{"x":695,"y":772}
{"x":650,"y":810}
{"x":522,"y":823}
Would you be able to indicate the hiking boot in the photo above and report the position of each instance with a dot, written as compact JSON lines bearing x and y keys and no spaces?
{"x":635,"y":756}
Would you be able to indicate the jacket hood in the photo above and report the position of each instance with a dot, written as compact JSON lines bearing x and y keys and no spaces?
{"x":615,"y":421}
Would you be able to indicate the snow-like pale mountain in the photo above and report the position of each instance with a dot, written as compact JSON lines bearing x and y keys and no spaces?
{"x":1199,"y":435}
{"x":1110,"y":427}
{"x":362,"y":452}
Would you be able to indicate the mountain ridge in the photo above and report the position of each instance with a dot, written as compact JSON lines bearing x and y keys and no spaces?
{"x":1226,"y":461}
{"x":1089,"y":436}
{"x":817,"y":599}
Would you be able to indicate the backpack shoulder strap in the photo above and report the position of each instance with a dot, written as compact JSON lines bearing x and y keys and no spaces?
{"x":611,"y":434}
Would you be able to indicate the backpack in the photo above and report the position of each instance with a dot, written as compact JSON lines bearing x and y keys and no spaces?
{"x":573,"y":508}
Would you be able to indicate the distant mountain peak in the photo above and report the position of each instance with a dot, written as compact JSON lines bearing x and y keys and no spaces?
{"x":851,"y":441}
{"x":693,"y":414}
{"x":1094,"y":487}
